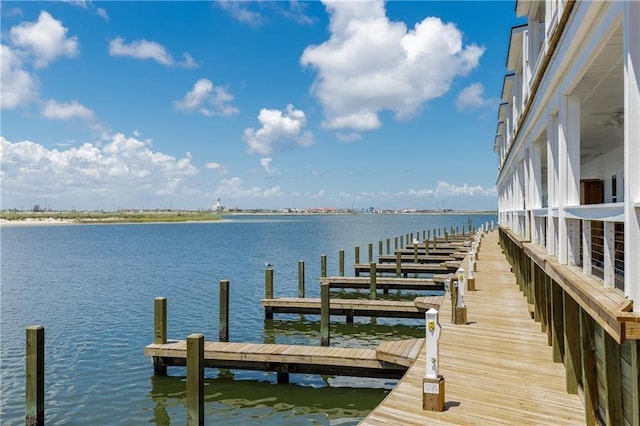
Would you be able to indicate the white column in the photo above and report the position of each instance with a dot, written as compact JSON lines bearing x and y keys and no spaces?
{"x":527,"y":195}
{"x":586,"y":247}
{"x":609,"y":253}
{"x":535,"y":192}
{"x":568,"y":167}
{"x":552,"y":180}
{"x":631,"y":50}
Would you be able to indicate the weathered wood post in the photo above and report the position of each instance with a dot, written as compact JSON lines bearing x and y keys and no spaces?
{"x":268,"y":282}
{"x":395,"y":243}
{"x":34,"y":376}
{"x":370,"y":252}
{"x":195,"y":379}
{"x":301,"y":278}
{"x":401,"y":241}
{"x":372,"y":281}
{"x":415,"y":252}
{"x":435,"y":244}
{"x":380,"y":248}
{"x":324,"y":314}
{"x":398,"y":264}
{"x":268,"y":291}
{"x":323,"y":265}
{"x":446,"y":236}
{"x":388,"y":246}
{"x":159,"y":331}
{"x":426,"y":247}
{"x":341,"y":263}
{"x":428,"y":234}
{"x":357,"y":259}
{"x":433,"y":382}
{"x":223,"y":332}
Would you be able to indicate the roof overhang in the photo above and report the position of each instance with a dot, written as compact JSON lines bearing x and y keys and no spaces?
{"x":523,"y":7}
{"x":514,"y":56}
{"x":502,"y":112}
{"x":507,"y":88}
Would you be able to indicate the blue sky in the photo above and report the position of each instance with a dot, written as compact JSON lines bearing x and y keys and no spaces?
{"x":261,"y":104}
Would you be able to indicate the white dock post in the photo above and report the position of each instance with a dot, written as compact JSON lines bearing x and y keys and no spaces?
{"x":433,"y":382}
{"x":460,"y":310}
{"x":471,"y":281}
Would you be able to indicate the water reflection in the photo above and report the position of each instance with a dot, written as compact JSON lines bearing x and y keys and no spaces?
{"x":291,"y":403}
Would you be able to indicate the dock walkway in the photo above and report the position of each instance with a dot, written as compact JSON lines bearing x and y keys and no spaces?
{"x":385,"y":283}
{"x":498,"y":369}
{"x":390,"y":359}
{"x":354,"y":307}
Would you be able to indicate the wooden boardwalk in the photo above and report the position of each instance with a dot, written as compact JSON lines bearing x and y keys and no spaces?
{"x":354,"y":307}
{"x":389,"y":360}
{"x":498,"y":369}
{"x":385,"y":283}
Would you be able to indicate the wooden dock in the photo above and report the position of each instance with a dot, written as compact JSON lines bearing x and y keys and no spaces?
{"x":385,"y":283}
{"x":389,"y":360}
{"x":354,"y":307}
{"x":422,"y":258}
{"x":409,"y":268}
{"x":498,"y":369}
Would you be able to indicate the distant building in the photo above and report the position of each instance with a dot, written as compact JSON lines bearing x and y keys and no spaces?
{"x":218,"y":207}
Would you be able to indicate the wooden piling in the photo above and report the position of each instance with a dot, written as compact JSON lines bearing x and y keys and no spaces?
{"x":268,"y":291}
{"x":401,"y":241}
{"x":415,"y":253}
{"x":323,"y":265}
{"x":341,"y":263}
{"x":34,"y":376}
{"x":426,"y":247}
{"x":195,"y":379}
{"x":370,"y":252}
{"x":395,"y":243}
{"x":268,"y":283}
{"x":159,"y":331}
{"x":301,"y":279}
{"x":398,"y":264}
{"x":324,"y":314}
{"x":372,"y":281}
{"x":223,"y":333}
{"x":380,"y":248}
{"x":388,"y":246}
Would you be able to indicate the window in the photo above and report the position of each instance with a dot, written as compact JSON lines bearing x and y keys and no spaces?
{"x":614,"y":189}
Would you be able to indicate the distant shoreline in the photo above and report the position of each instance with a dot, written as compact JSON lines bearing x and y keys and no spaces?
{"x":73,"y":218}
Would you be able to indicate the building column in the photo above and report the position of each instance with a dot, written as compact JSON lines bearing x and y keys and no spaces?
{"x":569,"y":173}
{"x":527,"y":195}
{"x":552,"y":181}
{"x":535,"y":190}
{"x":631,"y":50}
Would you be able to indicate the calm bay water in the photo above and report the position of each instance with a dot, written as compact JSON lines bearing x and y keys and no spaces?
{"x":92,"y":288}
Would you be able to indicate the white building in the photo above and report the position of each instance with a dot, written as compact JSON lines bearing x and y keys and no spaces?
{"x":568,"y":148}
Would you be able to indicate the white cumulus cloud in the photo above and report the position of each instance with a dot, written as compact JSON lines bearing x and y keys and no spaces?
{"x":17,"y":87}
{"x":145,"y":49}
{"x":235,"y":188}
{"x":46,"y":39}
{"x":266,"y":164}
{"x":123,"y":165}
{"x":217,"y":167}
{"x":279,"y":130}
{"x":371,"y":64}
{"x":472,"y":97}
{"x":207,"y":99}
{"x":54,"y":110}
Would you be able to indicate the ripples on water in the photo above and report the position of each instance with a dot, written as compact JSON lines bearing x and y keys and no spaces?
{"x":92,"y":287}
